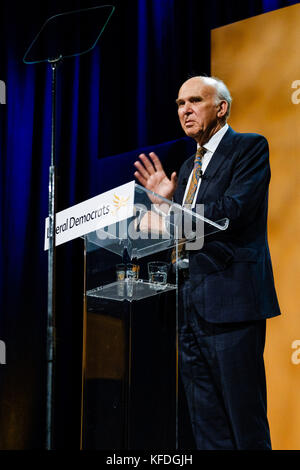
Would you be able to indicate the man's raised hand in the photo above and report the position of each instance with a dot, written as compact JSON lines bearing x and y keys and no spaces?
{"x":151,"y":175}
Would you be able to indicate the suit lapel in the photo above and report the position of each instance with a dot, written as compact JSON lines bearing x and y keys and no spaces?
{"x":223,"y":150}
{"x":184,"y":179}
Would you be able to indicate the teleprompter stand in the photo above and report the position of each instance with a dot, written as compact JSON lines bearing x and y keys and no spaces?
{"x":52,"y":45}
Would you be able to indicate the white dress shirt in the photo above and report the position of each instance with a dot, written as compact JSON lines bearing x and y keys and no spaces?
{"x":210,"y":147}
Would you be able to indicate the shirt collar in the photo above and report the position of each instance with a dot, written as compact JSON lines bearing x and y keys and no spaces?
{"x":214,"y":141}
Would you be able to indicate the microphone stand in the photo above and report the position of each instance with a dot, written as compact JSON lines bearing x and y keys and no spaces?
{"x":51,"y":328}
{"x":56,"y":25}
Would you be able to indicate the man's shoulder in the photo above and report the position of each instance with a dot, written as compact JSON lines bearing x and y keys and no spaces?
{"x":246,"y":137}
{"x":232,"y":139}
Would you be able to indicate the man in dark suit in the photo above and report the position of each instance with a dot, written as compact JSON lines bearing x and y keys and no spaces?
{"x":227,"y":290}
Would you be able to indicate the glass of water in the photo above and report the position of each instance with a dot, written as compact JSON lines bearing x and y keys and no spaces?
{"x":132,"y":274}
{"x":158,"y":272}
{"x":132,"y":271}
{"x":120,"y":274}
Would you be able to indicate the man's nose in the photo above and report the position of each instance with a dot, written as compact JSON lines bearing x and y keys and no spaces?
{"x":187,"y":109}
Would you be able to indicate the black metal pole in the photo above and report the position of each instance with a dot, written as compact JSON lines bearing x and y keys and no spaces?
{"x":51,"y":332}
{"x":177,"y":351}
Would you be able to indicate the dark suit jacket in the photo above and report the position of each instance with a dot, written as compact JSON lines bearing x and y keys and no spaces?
{"x":231,"y":276}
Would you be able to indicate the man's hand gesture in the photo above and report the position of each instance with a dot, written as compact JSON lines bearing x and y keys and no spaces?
{"x":152,"y":176}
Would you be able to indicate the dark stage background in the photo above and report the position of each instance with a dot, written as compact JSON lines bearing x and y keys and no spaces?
{"x":112,"y":103}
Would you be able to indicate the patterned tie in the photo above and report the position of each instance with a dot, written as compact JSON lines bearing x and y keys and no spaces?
{"x":197,"y":173}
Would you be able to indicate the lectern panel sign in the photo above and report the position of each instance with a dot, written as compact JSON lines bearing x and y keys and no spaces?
{"x":95,"y":213}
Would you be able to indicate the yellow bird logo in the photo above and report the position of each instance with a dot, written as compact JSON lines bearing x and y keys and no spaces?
{"x":119,"y":202}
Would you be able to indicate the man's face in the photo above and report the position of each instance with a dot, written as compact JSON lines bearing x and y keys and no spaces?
{"x":197,"y":109}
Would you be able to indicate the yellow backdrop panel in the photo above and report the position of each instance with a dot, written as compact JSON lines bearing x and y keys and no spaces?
{"x":258,"y":59}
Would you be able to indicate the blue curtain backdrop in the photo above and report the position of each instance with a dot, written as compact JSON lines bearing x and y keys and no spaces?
{"x":112,"y":102}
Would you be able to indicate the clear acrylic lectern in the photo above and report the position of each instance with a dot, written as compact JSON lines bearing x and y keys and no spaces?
{"x":130,"y":368}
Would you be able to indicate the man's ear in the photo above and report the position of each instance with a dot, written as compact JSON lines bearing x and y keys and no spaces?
{"x":222,"y":108}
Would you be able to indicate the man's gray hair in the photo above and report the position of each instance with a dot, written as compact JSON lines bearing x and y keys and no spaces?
{"x":222,"y":91}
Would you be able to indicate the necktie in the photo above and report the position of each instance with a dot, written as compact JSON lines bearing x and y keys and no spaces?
{"x":197,"y":173}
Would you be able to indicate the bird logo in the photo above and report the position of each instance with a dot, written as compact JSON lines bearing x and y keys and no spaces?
{"x":119,"y":202}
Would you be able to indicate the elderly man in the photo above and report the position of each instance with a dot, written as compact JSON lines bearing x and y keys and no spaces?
{"x":227,"y":292}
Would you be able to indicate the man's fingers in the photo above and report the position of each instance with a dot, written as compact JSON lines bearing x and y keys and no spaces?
{"x":174,"y":178}
{"x":156,"y":161}
{"x":142,"y":170}
{"x":140,"y":178}
{"x":148,"y":165}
